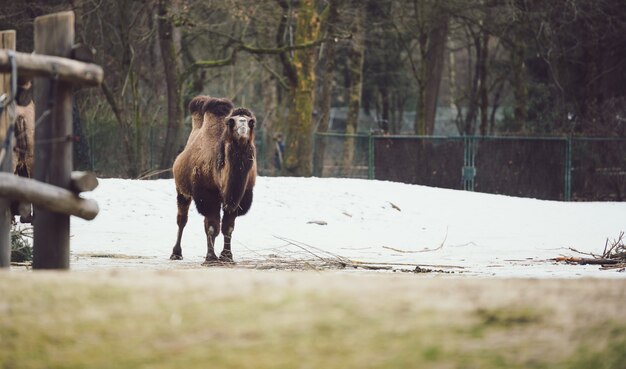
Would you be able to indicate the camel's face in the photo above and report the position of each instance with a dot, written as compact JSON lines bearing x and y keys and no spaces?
{"x":241,"y":126}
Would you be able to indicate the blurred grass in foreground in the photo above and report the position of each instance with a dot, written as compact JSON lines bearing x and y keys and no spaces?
{"x":230,"y":318}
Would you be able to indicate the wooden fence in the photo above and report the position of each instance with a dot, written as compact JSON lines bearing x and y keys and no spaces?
{"x":55,"y":188}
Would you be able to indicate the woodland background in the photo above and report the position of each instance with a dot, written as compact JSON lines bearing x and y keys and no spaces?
{"x":497,"y":67}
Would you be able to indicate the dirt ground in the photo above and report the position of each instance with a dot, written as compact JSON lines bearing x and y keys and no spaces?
{"x":242,"y":318}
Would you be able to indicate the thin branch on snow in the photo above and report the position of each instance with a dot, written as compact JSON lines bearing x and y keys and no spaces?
{"x":316,"y":259}
{"x":426,"y":249}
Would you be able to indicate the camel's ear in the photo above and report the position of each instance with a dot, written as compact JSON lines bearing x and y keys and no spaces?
{"x":251,"y":123}
{"x":230,"y":123}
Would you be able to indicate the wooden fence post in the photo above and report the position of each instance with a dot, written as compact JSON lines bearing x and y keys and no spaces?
{"x":7,"y":41}
{"x":54,"y":35}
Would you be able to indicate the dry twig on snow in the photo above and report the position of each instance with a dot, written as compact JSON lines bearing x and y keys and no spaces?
{"x":426,"y":249}
{"x":296,"y":255}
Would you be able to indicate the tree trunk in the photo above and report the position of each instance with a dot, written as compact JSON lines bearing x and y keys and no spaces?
{"x":301,"y":73}
{"x":386,"y":120}
{"x":452,"y":82}
{"x":169,"y":42}
{"x":494,"y":107}
{"x":434,"y":65}
{"x":483,"y":92}
{"x":327,"y":86}
{"x":432,"y":47}
{"x":473,"y":83}
{"x":270,"y":125}
{"x":518,"y":82}
{"x":397,"y":117}
{"x":355,"y":87}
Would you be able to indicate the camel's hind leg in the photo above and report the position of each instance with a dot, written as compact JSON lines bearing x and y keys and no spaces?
{"x":181,"y":219}
{"x":208,"y":204}
{"x":228,"y":225}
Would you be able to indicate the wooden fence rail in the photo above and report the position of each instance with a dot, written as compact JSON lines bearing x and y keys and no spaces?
{"x":66,"y":70}
{"x":51,"y":190}
{"x":46,"y":196}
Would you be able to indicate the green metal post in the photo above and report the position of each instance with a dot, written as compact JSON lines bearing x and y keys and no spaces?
{"x":370,"y":157}
{"x":259,"y":142}
{"x":468,"y":172}
{"x":314,"y":154}
{"x":151,"y":150}
{"x":568,"y":170}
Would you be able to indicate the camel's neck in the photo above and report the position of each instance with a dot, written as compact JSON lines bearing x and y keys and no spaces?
{"x":235,"y":155}
{"x":239,"y":156}
{"x":238,"y":161}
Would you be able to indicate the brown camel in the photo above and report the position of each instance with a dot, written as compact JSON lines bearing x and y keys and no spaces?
{"x":217,"y":169}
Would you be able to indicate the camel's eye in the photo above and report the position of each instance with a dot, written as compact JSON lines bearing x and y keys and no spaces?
{"x":251,"y":123}
{"x":230,"y":123}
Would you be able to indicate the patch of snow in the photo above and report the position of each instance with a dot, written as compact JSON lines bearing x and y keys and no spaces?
{"x":366,"y":220}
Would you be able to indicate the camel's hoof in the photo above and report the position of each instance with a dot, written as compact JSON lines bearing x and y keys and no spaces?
{"x":176,"y":257}
{"x":214,"y":261}
{"x":227,"y":258}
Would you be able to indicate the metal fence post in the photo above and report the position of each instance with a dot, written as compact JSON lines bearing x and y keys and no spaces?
{"x":151,"y":139}
{"x":315,"y":155}
{"x":468,"y":172}
{"x":568,"y":169}
{"x":370,"y":156}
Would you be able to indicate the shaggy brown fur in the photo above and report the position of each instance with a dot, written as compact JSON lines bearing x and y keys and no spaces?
{"x":217,"y":169}
{"x":24,"y":132}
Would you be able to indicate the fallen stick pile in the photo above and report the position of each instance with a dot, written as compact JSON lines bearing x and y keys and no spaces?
{"x":613,"y":256}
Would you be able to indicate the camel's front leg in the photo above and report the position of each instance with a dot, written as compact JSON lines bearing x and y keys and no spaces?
{"x":228,"y":224}
{"x":181,"y":219}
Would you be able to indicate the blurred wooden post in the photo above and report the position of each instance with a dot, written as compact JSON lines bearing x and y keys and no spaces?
{"x":7,"y":41}
{"x":54,"y":35}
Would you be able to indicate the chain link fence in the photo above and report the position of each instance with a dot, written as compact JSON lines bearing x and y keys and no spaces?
{"x":551,"y":168}
{"x":598,"y":169}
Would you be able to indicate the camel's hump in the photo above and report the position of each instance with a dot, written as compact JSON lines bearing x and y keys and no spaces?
{"x":196,"y":104}
{"x":218,"y":107}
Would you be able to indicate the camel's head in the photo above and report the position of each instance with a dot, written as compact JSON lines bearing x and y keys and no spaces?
{"x":241,"y":124}
{"x":24,"y":91}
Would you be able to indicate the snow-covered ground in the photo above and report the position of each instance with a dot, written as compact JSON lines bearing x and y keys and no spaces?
{"x":368,"y":221}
